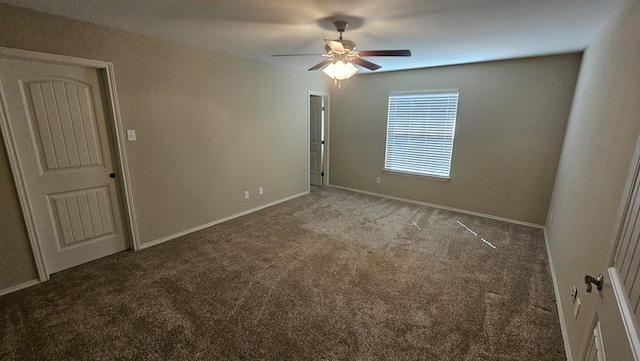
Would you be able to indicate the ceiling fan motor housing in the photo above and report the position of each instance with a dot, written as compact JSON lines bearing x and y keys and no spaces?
{"x":344,"y":51}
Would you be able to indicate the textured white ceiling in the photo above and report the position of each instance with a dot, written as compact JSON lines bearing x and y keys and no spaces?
{"x":438,"y":32}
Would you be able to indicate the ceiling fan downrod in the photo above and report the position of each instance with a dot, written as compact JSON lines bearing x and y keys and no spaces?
{"x":341,"y":27}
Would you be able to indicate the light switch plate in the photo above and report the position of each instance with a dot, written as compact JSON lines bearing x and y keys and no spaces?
{"x":131,"y":135}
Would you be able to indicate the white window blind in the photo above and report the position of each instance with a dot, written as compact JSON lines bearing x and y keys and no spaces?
{"x":420,"y":131}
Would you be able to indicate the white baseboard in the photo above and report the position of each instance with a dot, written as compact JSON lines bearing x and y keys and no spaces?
{"x":442,"y":207}
{"x":218,"y":221}
{"x":176,"y":235}
{"x":563,"y":326}
{"x":556,"y":289}
{"x":19,"y":287}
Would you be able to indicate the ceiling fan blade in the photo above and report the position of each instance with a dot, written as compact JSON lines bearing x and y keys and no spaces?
{"x":320,"y":64}
{"x":367,"y":64}
{"x":404,"y":52}
{"x":336,"y":46}
{"x":275,"y":55}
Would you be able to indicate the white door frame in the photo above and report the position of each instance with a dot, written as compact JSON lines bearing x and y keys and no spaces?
{"x":617,"y":284}
{"x":325,"y":158}
{"x":612,"y":277}
{"x":106,"y":71}
{"x":626,"y":311}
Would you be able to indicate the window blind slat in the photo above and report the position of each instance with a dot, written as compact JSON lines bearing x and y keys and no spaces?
{"x":420,"y":132}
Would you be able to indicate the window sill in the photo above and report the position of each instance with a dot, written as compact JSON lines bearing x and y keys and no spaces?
{"x":415,"y":175}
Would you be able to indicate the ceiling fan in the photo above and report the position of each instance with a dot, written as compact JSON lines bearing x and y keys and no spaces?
{"x":341,"y":54}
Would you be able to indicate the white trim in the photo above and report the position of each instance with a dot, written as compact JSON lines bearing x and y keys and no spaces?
{"x":597,"y":334}
{"x":484,"y":215}
{"x":21,"y":189}
{"x":626,"y":312}
{"x":19,"y":287}
{"x":18,"y":179}
{"x":218,"y":221}
{"x":632,"y":181}
{"x":29,"y":55}
{"x":327,"y":137}
{"x":105,"y":68}
{"x":556,"y":290}
{"x":125,"y":179}
{"x":325,"y":158}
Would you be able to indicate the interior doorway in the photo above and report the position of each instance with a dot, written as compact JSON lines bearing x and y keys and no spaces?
{"x":60,"y":121}
{"x":56,"y":116}
{"x":318,"y":138}
{"x":615,"y":334}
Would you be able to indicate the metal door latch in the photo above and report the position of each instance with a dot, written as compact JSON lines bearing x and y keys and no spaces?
{"x":599,"y":281}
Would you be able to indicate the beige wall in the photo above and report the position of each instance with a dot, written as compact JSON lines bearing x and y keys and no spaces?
{"x":601,"y":137}
{"x":209,"y":127}
{"x":511,"y":121}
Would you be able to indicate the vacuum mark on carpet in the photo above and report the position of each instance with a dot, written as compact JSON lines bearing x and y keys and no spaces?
{"x":475,"y":234}
{"x":542,"y":308}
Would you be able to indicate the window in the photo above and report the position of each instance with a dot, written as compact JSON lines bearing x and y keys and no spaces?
{"x":420,"y":130}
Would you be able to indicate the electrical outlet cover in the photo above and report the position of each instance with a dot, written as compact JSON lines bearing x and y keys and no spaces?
{"x":131,"y":135}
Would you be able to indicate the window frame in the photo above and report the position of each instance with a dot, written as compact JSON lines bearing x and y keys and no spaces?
{"x":428,"y":173}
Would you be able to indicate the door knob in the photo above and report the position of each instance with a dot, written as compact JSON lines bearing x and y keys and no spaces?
{"x":112,"y":175}
{"x":598,"y":281}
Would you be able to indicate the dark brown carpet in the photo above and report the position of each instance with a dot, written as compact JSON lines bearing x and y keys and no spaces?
{"x":332,"y":275}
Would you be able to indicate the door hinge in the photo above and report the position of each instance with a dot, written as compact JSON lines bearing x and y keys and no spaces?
{"x":323,"y":142}
{"x":322,"y":174}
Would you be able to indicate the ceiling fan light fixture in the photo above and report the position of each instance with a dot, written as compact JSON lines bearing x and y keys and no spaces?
{"x":340,"y":70}
{"x":341,"y":54}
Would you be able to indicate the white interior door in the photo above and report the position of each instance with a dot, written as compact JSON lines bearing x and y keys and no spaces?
{"x":56,"y":114}
{"x":316,"y":123}
{"x":618,"y":306}
{"x":595,"y":349}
